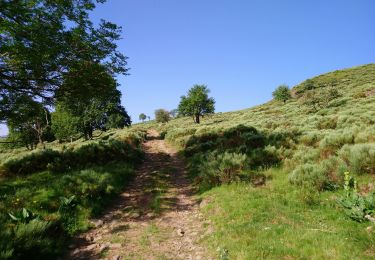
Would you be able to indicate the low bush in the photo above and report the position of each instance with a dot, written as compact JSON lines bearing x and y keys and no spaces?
{"x":228,"y":140}
{"x":327,"y":123}
{"x":54,"y":213}
{"x":359,"y":158}
{"x":310,"y":139}
{"x":308,"y":175}
{"x":69,"y":159}
{"x":216,"y":169}
{"x":27,"y":240}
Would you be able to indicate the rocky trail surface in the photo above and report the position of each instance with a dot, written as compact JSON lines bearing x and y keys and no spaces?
{"x":157,"y":217}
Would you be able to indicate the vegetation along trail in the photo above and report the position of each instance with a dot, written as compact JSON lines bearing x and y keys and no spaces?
{"x":157,"y":217}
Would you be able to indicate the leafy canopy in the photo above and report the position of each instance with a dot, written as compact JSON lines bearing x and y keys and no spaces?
{"x":162,"y":116}
{"x":196,"y":103}
{"x":142,"y":117}
{"x":282,"y":93}
{"x":38,"y":49}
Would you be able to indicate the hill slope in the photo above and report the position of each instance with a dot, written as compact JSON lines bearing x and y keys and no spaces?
{"x":302,"y":149}
{"x":300,"y":132}
{"x":355,"y":108}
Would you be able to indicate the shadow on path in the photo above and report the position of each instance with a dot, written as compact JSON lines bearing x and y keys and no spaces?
{"x":151,"y":218}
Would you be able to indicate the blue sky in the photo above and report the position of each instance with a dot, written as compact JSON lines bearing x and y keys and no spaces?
{"x":242,"y":49}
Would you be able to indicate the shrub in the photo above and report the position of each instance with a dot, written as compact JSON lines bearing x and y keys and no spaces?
{"x":360,"y":158}
{"x":310,"y":139}
{"x":282,"y":93}
{"x":308,"y":174}
{"x":61,"y":206}
{"x":320,"y":98}
{"x":327,"y":123}
{"x":27,"y":239}
{"x":30,"y":163}
{"x":162,"y":116}
{"x":86,"y":155}
{"x":304,"y":155}
{"x":216,"y":169}
{"x":334,"y":141}
{"x":366,"y":135}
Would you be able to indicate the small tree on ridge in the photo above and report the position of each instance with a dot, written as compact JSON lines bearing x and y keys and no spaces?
{"x":196,"y":103}
{"x":282,"y":93}
{"x":142,"y":117}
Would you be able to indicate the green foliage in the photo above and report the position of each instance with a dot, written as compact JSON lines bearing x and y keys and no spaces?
{"x":216,"y":169}
{"x":59,"y":161}
{"x":64,"y":125}
{"x":318,"y":99}
{"x":196,"y":103}
{"x":28,"y":121}
{"x":360,"y":158}
{"x":309,"y":175}
{"x":282,"y":93}
{"x":61,"y":212}
{"x":219,"y":157}
{"x":272,"y":223}
{"x":91,"y":97}
{"x":162,"y":116}
{"x":314,"y":149}
{"x":67,"y":204}
{"x":72,"y":66}
{"x":38,"y":50}
{"x":358,"y":207}
{"x":117,"y":118}
{"x":327,"y":123}
{"x":142,"y":117}
{"x":27,"y":240}
{"x":23,"y":216}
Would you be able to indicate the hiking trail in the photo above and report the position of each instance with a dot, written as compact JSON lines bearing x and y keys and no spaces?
{"x":156,"y":217}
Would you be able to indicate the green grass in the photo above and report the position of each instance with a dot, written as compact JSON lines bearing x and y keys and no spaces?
{"x":93,"y":188}
{"x":272,"y":222}
{"x":279,"y":220}
{"x":311,"y":149}
{"x":157,"y":186}
{"x":109,"y":166}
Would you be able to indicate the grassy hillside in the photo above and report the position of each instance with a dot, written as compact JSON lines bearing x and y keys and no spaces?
{"x":271,"y":176}
{"x":48,"y":195}
{"x":301,"y":149}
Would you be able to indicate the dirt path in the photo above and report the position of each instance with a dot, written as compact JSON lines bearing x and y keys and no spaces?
{"x":156,"y":218}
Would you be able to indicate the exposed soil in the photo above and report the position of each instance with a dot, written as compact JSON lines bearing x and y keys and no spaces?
{"x":157,"y":217}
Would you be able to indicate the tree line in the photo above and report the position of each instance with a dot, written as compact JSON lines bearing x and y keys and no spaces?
{"x":58,"y":71}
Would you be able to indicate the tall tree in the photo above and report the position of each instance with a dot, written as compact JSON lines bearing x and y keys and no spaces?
{"x":196,"y":103}
{"x":91,"y":95}
{"x":29,"y":121}
{"x":41,"y":41}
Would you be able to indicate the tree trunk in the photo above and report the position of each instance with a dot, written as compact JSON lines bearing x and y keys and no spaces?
{"x":197,"y":119}
{"x":88,"y":133}
{"x":41,"y":140}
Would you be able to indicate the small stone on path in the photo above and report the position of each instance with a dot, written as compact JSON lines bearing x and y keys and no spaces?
{"x":180,"y":232}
